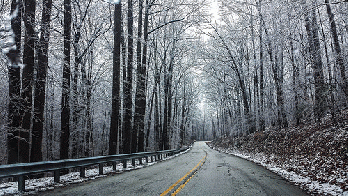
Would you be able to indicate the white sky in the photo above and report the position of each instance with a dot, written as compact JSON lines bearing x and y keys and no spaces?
{"x":214,"y":10}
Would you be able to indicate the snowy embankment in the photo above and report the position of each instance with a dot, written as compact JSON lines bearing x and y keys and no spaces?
{"x":316,"y":159}
{"x":34,"y":186}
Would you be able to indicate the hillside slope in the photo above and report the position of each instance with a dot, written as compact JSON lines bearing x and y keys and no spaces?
{"x":314,"y":157}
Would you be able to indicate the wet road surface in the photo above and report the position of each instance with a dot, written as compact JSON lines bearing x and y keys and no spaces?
{"x":201,"y":171}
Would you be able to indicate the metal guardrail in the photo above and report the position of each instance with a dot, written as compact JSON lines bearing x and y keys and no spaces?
{"x":20,"y":170}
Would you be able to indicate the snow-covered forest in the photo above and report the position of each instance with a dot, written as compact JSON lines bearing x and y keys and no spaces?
{"x":92,"y":77}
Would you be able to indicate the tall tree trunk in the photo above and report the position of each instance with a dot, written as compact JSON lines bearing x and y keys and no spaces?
{"x":65,"y":112}
{"x":123,"y":81}
{"x":280,"y":92}
{"x":89,"y":131}
{"x":140,"y":96}
{"x":262,"y":120}
{"x":331,"y":82}
{"x":256,"y":78}
{"x":295,"y":76}
{"x":182,"y":126}
{"x":40,"y":85}
{"x":157,"y":119}
{"x":128,"y":84}
{"x":144,"y":71}
{"x":157,"y":126}
{"x":337,"y":47}
{"x":213,"y":128}
{"x":277,"y":69}
{"x":75,"y":132}
{"x":27,"y":78}
{"x":115,"y":120}
{"x":14,"y":85}
{"x":317,"y":65}
{"x":86,"y":136}
{"x":168,"y":101}
{"x":151,"y":105}
{"x":277,"y":76}
{"x":49,"y":118}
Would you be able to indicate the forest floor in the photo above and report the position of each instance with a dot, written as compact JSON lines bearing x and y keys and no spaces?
{"x":314,"y":157}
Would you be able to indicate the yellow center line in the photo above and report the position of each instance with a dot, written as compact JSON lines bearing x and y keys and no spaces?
{"x":183,"y":185}
{"x":182,"y":178}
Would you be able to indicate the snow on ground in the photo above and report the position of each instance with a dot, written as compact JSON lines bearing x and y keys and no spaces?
{"x":312,"y":156}
{"x":33,"y":186}
{"x":306,"y":183}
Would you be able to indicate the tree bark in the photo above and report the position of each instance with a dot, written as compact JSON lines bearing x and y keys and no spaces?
{"x":151,"y":105}
{"x":317,"y":65}
{"x":40,"y":84}
{"x":89,"y":115}
{"x":295,"y":76}
{"x":337,"y":47}
{"x":168,"y":101}
{"x":14,"y":86}
{"x":27,"y":79}
{"x":183,"y":117}
{"x":277,"y":77}
{"x":157,"y":119}
{"x":128,"y":131}
{"x":331,"y":83}
{"x":115,"y":113}
{"x":262,"y":120}
{"x":75,"y":132}
{"x":65,"y":112}
{"x":140,"y":96}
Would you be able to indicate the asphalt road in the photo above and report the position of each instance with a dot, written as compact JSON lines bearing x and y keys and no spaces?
{"x":201,"y":171}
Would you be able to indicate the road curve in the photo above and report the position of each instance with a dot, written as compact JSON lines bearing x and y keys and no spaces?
{"x":201,"y":171}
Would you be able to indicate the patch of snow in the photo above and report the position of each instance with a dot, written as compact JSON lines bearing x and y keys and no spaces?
{"x":304,"y":182}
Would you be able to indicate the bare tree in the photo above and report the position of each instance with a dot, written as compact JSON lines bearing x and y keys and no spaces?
{"x":337,"y":47}
{"x":65,"y":111}
{"x":129,"y":144}
{"x":40,"y":84}
{"x":14,"y":85}
{"x":317,"y":64}
{"x":27,"y":78}
{"x":115,"y":113}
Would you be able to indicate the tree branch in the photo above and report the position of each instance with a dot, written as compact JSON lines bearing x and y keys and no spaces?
{"x":165,"y":24}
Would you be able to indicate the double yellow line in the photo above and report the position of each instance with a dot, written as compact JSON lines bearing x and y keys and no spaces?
{"x":187,"y":177}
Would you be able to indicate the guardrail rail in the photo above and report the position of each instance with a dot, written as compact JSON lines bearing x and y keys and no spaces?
{"x":20,"y":170}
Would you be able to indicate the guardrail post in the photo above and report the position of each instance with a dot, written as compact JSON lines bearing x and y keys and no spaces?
{"x":147,"y":159}
{"x":101,"y":172}
{"x":141,"y":161}
{"x":152,"y":158}
{"x":82,"y":172}
{"x":56,"y":174}
{"x":114,"y":164}
{"x":133,"y":162}
{"x":124,"y":162}
{"x":21,"y":183}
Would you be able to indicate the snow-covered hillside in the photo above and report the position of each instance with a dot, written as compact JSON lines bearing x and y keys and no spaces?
{"x":313,"y":157}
